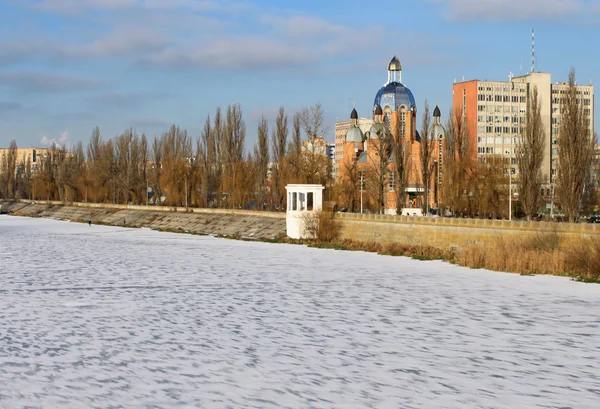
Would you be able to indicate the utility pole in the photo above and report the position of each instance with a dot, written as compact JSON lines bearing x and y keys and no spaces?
{"x":552,"y":204}
{"x":361,"y":192}
{"x":509,"y":193}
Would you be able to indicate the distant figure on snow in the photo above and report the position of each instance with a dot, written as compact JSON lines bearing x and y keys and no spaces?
{"x":90,"y":222}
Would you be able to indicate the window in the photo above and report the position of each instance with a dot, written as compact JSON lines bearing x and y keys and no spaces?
{"x":309,"y":201}
{"x":481,"y":108}
{"x":391,"y":180}
{"x":294,"y":201}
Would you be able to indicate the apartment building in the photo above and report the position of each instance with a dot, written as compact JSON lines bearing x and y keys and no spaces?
{"x":495,"y":113}
{"x":33,"y":156}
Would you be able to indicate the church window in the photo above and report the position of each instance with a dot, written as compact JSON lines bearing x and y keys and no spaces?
{"x":402,"y":118}
{"x":391,"y":180}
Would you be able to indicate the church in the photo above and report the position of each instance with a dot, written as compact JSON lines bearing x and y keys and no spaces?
{"x":385,"y":161}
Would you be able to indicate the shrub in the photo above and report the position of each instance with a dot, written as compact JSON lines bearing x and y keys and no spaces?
{"x":321,"y":226}
{"x":584,"y":259}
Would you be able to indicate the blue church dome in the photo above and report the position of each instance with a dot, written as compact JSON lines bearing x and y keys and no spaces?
{"x":394,"y":94}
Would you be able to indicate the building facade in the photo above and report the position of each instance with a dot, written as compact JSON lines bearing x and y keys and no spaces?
{"x":495,"y":113}
{"x":32,"y":156}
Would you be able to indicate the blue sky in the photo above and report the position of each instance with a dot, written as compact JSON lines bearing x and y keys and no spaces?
{"x":67,"y":66}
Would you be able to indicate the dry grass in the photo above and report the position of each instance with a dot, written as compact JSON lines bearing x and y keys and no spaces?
{"x":540,"y":254}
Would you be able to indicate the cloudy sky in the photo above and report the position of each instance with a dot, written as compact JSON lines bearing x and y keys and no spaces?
{"x":67,"y":66}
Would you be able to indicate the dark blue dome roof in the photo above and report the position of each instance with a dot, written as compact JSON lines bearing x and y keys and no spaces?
{"x":395,"y":95}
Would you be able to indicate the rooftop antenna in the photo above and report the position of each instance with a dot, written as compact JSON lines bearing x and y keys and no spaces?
{"x":532,"y":51}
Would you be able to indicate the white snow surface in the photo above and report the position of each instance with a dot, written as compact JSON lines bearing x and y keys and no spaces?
{"x":107,"y":317}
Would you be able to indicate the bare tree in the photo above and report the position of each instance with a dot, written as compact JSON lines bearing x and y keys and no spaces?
{"x":232,"y":149}
{"x":279,"y":145}
{"x":489,"y":188}
{"x":402,"y":163}
{"x":261,"y":158}
{"x":295,"y":150}
{"x":530,"y":155}
{"x":575,"y":150}
{"x":458,"y":167}
{"x":350,"y":185}
{"x":9,"y":169}
{"x":382,"y":144}
{"x":314,"y":153}
{"x":157,"y":162}
{"x":426,"y":154}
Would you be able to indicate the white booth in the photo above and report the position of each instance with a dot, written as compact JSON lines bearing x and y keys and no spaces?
{"x":301,"y":201}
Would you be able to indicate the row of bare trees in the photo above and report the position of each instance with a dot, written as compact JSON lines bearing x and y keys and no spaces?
{"x":216,"y":170}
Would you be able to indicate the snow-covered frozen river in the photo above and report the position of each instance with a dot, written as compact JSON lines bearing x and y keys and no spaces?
{"x":104,"y":317}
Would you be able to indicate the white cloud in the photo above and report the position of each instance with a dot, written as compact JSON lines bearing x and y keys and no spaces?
{"x":234,"y":52}
{"x":63,"y":139}
{"x":122,"y":41}
{"x":70,"y":7}
{"x":37,"y":82}
{"x":514,"y":10}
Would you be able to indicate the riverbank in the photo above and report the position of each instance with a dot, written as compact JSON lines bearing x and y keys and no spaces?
{"x":248,"y":224}
{"x":524,"y":248}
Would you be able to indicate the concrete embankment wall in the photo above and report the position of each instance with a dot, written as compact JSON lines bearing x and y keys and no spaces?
{"x":451,"y":232}
{"x":263,"y":225}
{"x":438,"y":232}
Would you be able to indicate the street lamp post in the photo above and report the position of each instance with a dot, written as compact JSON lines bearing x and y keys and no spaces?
{"x":361,"y":192}
{"x":509,"y":194}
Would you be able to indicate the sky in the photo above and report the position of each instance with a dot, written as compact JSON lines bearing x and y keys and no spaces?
{"x":67,"y":66}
